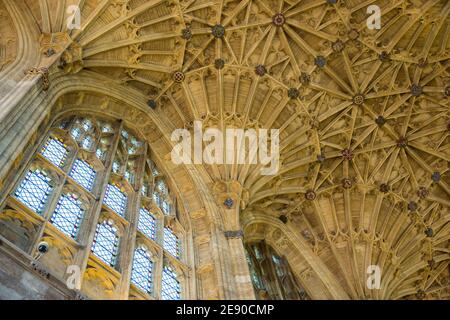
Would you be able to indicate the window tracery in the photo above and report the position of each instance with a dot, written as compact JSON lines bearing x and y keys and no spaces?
{"x":271,"y":275}
{"x":95,"y":182}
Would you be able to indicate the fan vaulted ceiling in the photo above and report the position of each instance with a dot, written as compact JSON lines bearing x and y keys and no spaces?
{"x":363,"y":114}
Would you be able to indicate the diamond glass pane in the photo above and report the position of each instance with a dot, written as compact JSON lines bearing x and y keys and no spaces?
{"x":83,"y":173}
{"x":171,"y":243}
{"x":165,"y":207}
{"x":106,"y":243}
{"x":115,"y":199}
{"x":170,"y":286}
{"x":75,"y":133}
{"x":147,"y":223}
{"x":34,"y":190}
{"x":87,"y":143}
{"x":68,"y":215}
{"x":55,"y":152}
{"x":141,"y":275}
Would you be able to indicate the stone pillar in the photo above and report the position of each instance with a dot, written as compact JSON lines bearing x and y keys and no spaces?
{"x":231,"y":198}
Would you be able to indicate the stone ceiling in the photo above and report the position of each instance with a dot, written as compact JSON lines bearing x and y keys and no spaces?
{"x":363,"y":114}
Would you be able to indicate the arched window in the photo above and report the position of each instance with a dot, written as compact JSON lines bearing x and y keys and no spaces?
{"x":34,"y":190}
{"x":94,"y":192}
{"x":106,"y":243}
{"x":171,"y":242}
{"x":147,"y":223}
{"x":55,"y":151}
{"x":171,"y":289}
{"x":142,"y":273}
{"x":271,"y":275}
{"x":68,"y":214}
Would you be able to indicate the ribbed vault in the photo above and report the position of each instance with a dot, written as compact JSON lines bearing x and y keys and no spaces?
{"x":363,"y":116}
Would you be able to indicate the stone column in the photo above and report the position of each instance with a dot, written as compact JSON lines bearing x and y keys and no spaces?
{"x":231,"y":200}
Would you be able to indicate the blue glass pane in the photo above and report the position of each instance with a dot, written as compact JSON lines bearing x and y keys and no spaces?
{"x":87,"y":143}
{"x":68,"y":215}
{"x":75,"y":133}
{"x":34,"y":190}
{"x":83,"y":173}
{"x":55,"y":151}
{"x":170,"y":286}
{"x":171,"y":243}
{"x":141,"y":275}
{"x":156,"y":198}
{"x":106,"y":243}
{"x":165,"y":207}
{"x":147,"y":223}
{"x":115,"y":199}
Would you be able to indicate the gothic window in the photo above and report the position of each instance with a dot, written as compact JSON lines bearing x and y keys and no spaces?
{"x":64,"y":183}
{"x":142,"y":272}
{"x":106,"y":243}
{"x":83,"y":173}
{"x":171,"y":242}
{"x":68,"y":214}
{"x":271,"y":275}
{"x":147,"y":223}
{"x":34,"y":190}
{"x":55,"y":151}
{"x":115,"y":199}
{"x":171,"y":289}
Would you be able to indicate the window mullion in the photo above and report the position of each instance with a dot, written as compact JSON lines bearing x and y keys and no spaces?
{"x":87,"y":232}
{"x":129,"y":239}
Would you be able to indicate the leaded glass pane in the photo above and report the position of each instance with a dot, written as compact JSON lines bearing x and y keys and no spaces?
{"x":156,"y":198}
{"x":171,"y":243}
{"x":147,"y":223}
{"x":34,"y":190}
{"x":106,"y":243}
{"x":83,"y":173}
{"x":55,"y":151}
{"x":115,"y":199}
{"x":68,"y":214}
{"x":171,"y":289}
{"x":100,"y":154}
{"x":142,"y":273}
{"x":87,"y":143}
{"x":165,"y":207}
{"x":116,"y":167}
{"x":87,"y":125}
{"x":75,"y":133}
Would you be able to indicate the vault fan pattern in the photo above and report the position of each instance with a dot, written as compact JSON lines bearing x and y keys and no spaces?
{"x":363,"y":116}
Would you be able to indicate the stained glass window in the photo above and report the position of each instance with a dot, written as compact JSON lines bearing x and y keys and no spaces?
{"x":87,"y":125}
{"x":106,"y":243}
{"x":83,"y":173}
{"x":68,"y":214}
{"x":165,"y":207}
{"x":116,"y":166}
{"x":147,"y":223}
{"x":171,"y":242}
{"x":142,"y":273}
{"x":171,"y":289}
{"x":115,"y":199}
{"x":55,"y":151}
{"x":75,"y":133}
{"x":156,"y":198}
{"x":34,"y":190}
{"x":100,"y":154}
{"x":87,"y":143}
